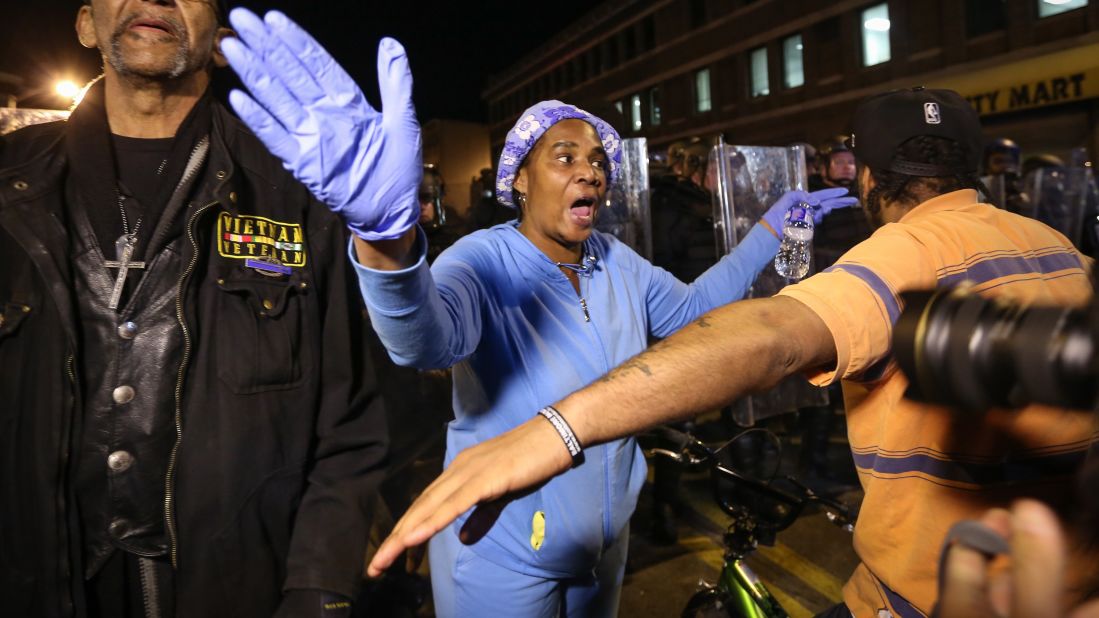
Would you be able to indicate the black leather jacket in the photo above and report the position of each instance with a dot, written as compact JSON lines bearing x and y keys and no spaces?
{"x":280,"y":432}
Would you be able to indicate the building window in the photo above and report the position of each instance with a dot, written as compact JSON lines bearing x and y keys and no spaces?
{"x":827,"y":48}
{"x":875,"y":35}
{"x":761,"y":85}
{"x":610,"y":54}
{"x":654,"y":106}
{"x":629,"y":43}
{"x":648,"y":33}
{"x":703,"y":102}
{"x":635,"y":112}
{"x":984,"y":16}
{"x":1053,"y":7}
{"x":698,"y":13}
{"x":793,"y":67}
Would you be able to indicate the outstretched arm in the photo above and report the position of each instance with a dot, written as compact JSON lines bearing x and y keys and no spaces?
{"x":731,"y":351}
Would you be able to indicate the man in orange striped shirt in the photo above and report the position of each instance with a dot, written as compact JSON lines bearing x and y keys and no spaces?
{"x":923,"y":467}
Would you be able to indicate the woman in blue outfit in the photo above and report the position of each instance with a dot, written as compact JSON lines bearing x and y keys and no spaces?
{"x":525,"y":312}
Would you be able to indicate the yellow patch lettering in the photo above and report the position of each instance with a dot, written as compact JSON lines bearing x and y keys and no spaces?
{"x":244,"y":236}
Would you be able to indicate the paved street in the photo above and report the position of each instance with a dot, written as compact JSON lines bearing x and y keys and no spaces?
{"x":805,"y":569}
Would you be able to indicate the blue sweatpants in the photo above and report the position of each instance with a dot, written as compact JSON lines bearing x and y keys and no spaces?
{"x":466,"y":585}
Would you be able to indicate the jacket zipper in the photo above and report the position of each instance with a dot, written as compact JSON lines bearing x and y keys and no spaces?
{"x":70,"y":369}
{"x":169,"y":479}
{"x":150,"y":592}
{"x":607,"y":481}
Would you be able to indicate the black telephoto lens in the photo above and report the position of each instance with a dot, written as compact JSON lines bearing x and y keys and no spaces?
{"x":962,"y":350}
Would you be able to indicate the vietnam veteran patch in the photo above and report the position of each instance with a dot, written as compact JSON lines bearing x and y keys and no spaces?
{"x":243,"y":236}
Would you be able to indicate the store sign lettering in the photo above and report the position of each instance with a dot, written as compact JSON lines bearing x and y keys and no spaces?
{"x":1035,"y":94}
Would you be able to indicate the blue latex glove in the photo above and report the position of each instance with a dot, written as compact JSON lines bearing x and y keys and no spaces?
{"x":823,"y":202}
{"x":308,"y":111}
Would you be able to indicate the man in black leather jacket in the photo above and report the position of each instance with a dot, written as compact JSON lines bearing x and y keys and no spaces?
{"x":189,"y":424}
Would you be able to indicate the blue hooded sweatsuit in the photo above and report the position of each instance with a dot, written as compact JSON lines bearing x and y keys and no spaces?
{"x":497,"y":310}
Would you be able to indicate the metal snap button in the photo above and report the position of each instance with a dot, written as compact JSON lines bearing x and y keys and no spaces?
{"x":127,"y":330}
{"x":118,"y":527}
{"x":119,"y":461}
{"x":20,"y":185}
{"x":123,"y":394}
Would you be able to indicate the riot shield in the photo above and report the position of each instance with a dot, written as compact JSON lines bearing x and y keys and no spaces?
{"x":625,"y":213}
{"x":1083,"y":185}
{"x":1004,"y":192}
{"x":997,"y":190}
{"x":1060,"y":197}
{"x":12,"y":118}
{"x":1082,"y":192}
{"x":749,"y":180}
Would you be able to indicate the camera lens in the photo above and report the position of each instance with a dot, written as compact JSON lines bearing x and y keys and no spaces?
{"x":963,"y":350}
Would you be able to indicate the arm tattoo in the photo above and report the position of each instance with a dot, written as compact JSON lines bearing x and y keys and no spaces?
{"x":633,"y":363}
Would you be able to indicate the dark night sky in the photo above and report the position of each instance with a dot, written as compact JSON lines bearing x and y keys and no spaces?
{"x":453,"y":46}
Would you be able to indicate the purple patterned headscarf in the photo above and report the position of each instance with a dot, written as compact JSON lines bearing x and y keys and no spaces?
{"x":529,"y":129}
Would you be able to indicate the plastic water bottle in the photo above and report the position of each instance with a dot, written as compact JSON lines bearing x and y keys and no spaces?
{"x":793,"y":256}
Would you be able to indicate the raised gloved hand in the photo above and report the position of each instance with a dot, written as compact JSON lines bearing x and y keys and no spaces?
{"x":365,"y":165}
{"x":822,"y":202}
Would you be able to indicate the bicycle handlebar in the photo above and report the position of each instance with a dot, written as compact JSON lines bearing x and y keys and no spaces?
{"x":688,"y":449}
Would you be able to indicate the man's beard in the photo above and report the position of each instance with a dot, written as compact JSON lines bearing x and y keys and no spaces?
{"x":846,"y":183}
{"x":179,"y":62}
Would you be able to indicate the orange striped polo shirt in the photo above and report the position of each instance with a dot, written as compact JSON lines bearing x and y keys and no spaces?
{"x":924,"y":467}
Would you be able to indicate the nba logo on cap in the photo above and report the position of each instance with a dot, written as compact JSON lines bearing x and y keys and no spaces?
{"x":931,"y":113}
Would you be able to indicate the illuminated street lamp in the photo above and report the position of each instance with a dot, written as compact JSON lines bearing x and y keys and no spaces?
{"x":68,"y":89}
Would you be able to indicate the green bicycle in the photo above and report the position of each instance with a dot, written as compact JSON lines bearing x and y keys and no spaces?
{"x":759,"y":511}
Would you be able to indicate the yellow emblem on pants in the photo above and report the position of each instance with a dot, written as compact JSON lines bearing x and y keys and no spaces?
{"x":538,"y":530}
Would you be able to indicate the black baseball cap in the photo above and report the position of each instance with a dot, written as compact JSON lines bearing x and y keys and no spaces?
{"x":885,"y":121}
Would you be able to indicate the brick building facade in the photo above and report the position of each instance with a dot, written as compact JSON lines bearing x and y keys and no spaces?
{"x":779,"y":71}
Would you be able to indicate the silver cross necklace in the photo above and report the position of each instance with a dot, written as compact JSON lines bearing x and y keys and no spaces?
{"x":124,"y":250}
{"x":124,"y":247}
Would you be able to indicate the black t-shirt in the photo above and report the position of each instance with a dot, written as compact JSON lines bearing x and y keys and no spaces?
{"x":140,"y":164}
